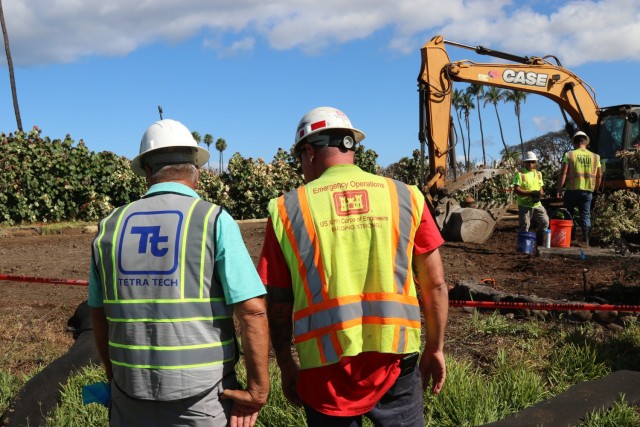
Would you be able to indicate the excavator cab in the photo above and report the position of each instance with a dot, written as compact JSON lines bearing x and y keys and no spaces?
{"x":618,"y":129}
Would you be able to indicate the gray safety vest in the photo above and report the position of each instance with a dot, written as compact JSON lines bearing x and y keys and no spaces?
{"x":171,"y":333}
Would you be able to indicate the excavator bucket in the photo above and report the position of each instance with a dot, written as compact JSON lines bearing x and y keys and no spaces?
{"x":470,"y":225}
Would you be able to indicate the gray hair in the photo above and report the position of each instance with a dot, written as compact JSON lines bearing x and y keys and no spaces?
{"x":172,"y":172}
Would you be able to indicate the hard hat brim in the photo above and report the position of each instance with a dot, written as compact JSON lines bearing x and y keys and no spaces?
{"x":202,"y":157}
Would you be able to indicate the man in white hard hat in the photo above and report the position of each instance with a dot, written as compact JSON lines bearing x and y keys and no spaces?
{"x":529,"y":189}
{"x":580,"y":177}
{"x":167,"y":274}
{"x":338,"y":260}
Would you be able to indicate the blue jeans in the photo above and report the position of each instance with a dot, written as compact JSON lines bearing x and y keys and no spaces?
{"x":401,"y":406}
{"x":582,"y":200}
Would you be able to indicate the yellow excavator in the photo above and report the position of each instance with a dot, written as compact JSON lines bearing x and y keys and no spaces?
{"x":610,"y":129}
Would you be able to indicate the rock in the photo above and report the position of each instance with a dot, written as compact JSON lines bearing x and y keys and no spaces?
{"x":614,"y":327}
{"x":606,"y":316}
{"x":580,"y":315}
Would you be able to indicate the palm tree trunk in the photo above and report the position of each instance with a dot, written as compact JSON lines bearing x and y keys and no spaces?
{"x":464,"y":146}
{"x":504,"y":144}
{"x":466,"y":122}
{"x":484,"y":155}
{"x":521,"y":141}
{"x":10,"y":66}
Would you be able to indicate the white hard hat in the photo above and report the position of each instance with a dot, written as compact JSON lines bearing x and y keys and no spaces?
{"x":168,"y":133}
{"x":530,"y":156}
{"x":324,"y":118}
{"x":580,"y":134}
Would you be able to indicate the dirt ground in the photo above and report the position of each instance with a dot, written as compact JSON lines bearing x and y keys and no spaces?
{"x":41,"y":310}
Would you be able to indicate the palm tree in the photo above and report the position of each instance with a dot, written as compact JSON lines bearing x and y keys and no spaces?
{"x":495,"y":95}
{"x":10,"y":66}
{"x":466,"y":104}
{"x":517,"y":98}
{"x":208,"y":140}
{"x":456,"y":101}
{"x":221,"y":145}
{"x":196,"y":135}
{"x":477,"y":90}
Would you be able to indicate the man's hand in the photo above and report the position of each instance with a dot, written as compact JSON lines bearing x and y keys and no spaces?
{"x":246,"y":405}
{"x":432,"y":367}
{"x":290,"y":374}
{"x":535,"y":195}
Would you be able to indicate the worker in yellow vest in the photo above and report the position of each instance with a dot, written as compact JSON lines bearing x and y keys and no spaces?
{"x":580,"y":177}
{"x":529,"y":189}
{"x":339,"y":259}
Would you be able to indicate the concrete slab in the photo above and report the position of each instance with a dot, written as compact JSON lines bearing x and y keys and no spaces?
{"x":570,"y":408}
{"x":575,"y":253}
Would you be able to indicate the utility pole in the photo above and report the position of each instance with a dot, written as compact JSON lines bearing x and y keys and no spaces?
{"x":10,"y":66}
{"x":160,"y":111}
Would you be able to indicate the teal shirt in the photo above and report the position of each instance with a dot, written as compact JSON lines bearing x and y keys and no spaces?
{"x":234,"y":268}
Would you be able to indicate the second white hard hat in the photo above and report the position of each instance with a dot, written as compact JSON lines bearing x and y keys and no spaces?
{"x":530,"y":156}
{"x":169,"y":133}
{"x":580,"y":134}
{"x":324,"y":118}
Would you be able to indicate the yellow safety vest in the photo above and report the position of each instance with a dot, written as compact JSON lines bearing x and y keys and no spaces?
{"x":347,"y":238}
{"x":530,"y":181}
{"x":583,"y":167}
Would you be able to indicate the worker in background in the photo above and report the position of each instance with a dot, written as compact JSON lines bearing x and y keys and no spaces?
{"x":580,"y":177}
{"x":168,"y":273}
{"x":529,"y":189}
{"x":339,"y":259}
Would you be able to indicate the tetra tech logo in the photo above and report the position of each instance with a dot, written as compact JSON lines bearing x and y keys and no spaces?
{"x":152,"y":241}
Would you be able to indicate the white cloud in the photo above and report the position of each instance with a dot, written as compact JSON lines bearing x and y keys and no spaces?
{"x":545,"y":124}
{"x":48,"y":31}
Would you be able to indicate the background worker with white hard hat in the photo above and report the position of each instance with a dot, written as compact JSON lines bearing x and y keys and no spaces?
{"x":338,"y":260}
{"x":580,"y":178}
{"x":529,"y":189}
{"x":167,"y":274}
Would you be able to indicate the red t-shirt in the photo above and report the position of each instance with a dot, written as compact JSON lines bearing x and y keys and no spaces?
{"x":355,"y":384}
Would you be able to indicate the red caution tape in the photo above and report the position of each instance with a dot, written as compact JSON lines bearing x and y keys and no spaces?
{"x":43,"y":280}
{"x":544,"y":305}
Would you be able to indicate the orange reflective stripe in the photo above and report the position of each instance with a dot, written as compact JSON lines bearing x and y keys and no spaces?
{"x":336,"y":344}
{"x":348,"y":299}
{"x":366,"y":320}
{"x":286,"y":222}
{"x":396,"y":337}
{"x":323,"y":360}
{"x":415,"y":221}
{"x":403,"y":219}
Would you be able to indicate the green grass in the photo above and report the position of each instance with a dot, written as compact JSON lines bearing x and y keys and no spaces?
{"x":621,"y":414}
{"x":532,"y":362}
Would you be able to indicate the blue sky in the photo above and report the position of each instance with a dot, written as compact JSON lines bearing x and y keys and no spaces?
{"x":247,"y":71}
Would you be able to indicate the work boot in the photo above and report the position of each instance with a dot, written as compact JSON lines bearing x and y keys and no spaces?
{"x":585,"y":236}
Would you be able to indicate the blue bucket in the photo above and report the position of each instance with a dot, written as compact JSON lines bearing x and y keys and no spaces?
{"x":526,"y":242}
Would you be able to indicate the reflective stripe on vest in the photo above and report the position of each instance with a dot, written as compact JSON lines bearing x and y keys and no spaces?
{"x":579,"y":175}
{"x":323,"y":315}
{"x":170,"y":331}
{"x":538,"y":176}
